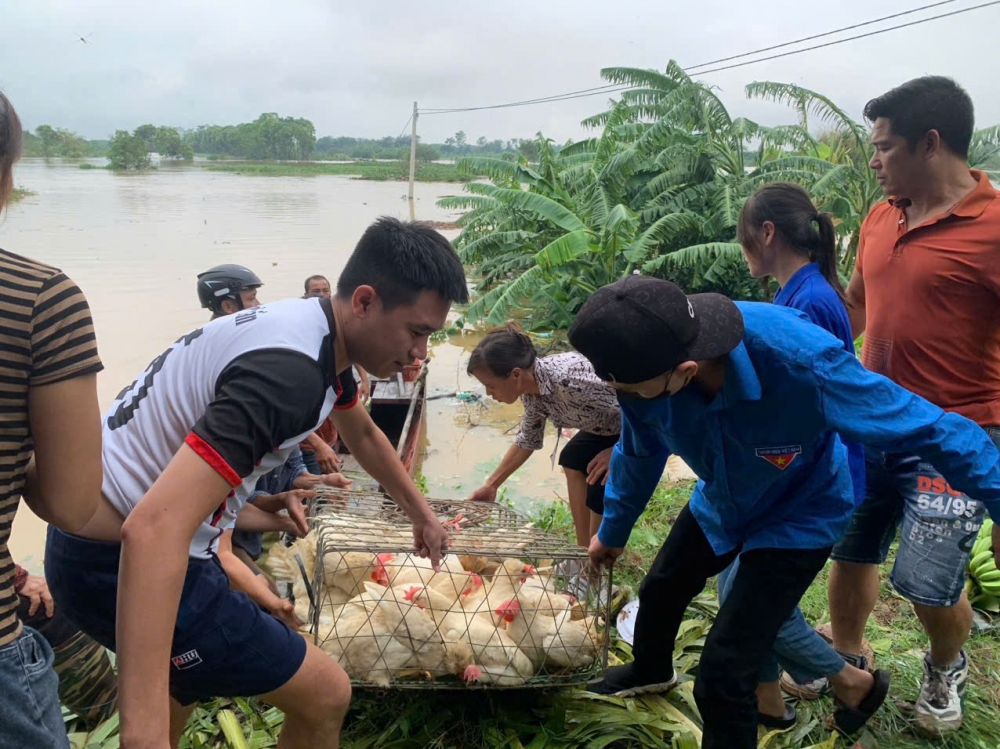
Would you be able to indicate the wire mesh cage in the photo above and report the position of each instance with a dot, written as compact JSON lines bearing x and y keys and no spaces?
{"x":512,"y":605}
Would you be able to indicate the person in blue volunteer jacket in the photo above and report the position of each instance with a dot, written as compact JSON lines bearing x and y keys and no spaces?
{"x":752,"y":397}
{"x":784,"y":236}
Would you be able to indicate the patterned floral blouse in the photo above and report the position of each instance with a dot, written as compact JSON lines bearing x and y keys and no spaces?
{"x":572,"y":397}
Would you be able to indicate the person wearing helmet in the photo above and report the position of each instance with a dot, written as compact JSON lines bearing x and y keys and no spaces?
{"x":226,"y":289}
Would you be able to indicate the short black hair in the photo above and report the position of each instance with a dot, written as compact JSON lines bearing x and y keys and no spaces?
{"x":924,"y":104}
{"x":311,"y":279}
{"x":400,"y":259}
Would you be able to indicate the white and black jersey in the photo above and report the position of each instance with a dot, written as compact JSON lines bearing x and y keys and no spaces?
{"x":242,"y":392}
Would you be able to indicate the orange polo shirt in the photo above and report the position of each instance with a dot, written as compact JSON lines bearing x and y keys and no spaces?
{"x":932,"y":299}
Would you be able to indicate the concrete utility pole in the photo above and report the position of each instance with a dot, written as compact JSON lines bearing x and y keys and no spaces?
{"x":413,"y":159}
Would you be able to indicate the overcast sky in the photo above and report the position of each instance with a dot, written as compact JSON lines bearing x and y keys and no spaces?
{"x":356,"y":68}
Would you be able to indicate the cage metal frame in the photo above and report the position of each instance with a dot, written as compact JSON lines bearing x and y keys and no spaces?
{"x":371,"y":522}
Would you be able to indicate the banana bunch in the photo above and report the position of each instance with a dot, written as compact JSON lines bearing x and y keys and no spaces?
{"x":983,"y":585}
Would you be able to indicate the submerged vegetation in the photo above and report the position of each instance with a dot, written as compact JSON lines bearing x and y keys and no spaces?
{"x":379,"y":171}
{"x":658,"y":189}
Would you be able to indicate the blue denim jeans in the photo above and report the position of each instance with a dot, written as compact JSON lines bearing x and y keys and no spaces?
{"x":798,"y":648}
{"x":30,"y":716}
{"x":937,"y":526}
{"x":309,"y":458}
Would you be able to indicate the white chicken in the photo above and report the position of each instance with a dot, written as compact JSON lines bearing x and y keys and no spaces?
{"x":557,"y":641}
{"x":285,"y":568}
{"x":534,"y":594}
{"x":512,"y":574}
{"x":408,"y":569}
{"x":358,"y":639}
{"x":348,"y":571}
{"x":432,"y":655}
{"x":496,"y":655}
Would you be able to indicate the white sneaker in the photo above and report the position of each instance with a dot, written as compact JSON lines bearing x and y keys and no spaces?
{"x":939,"y":708}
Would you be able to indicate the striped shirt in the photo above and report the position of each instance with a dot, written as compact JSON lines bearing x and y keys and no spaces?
{"x":46,"y":336}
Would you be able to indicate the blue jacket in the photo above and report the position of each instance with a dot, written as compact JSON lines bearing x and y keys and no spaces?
{"x":772,"y":470}
{"x":807,"y":291}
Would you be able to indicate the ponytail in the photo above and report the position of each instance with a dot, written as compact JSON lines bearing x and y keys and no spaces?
{"x":825,"y":253}
{"x":806,"y":230}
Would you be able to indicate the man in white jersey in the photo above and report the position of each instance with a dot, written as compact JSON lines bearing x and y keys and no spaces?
{"x":183,"y":448}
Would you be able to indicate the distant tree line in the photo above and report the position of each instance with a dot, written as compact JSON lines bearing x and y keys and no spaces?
{"x":48,"y":141}
{"x":132,"y":150}
{"x":269,"y":137}
{"x":343,"y":148}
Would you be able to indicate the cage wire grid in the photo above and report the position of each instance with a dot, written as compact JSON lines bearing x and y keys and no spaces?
{"x":414,"y":631}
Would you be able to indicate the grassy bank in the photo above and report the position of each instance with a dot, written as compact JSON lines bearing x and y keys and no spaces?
{"x":569,"y":719}
{"x":20,"y":193}
{"x":378,"y":171}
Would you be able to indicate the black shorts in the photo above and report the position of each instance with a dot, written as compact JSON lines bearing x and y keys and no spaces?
{"x":224,"y":644}
{"x":577,"y":455}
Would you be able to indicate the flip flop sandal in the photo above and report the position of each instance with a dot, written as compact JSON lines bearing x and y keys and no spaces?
{"x":785,"y":721}
{"x":848,"y":720}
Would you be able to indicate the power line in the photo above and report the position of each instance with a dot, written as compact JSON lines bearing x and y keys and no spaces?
{"x":613,"y":88}
{"x":540,"y":100}
{"x":852,"y":38}
{"x":404,"y":127}
{"x":820,"y":36}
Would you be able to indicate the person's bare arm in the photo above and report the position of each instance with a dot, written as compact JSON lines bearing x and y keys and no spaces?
{"x":376,"y":455}
{"x":263,"y":518}
{"x":156,"y":538}
{"x":311,"y":481}
{"x":856,"y":303}
{"x":515,"y":457}
{"x":326,"y":456}
{"x":63,"y":485}
{"x":242,"y":578}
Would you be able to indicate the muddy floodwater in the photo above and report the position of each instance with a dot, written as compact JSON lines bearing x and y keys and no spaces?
{"x":135,"y":243}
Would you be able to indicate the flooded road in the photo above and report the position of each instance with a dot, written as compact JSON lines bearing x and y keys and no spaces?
{"x":136,"y":242}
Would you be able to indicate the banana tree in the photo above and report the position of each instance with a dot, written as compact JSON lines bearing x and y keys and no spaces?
{"x":841,"y":183}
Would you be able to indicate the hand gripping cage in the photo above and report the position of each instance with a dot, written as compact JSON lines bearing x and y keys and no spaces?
{"x":512,"y":606}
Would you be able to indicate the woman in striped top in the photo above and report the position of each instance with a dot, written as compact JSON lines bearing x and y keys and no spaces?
{"x":50,"y":449}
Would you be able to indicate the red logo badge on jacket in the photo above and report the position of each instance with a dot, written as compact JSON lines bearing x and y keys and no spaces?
{"x":779,"y":457}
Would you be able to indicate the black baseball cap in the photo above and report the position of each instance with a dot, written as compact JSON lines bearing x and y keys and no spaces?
{"x":640,"y":327}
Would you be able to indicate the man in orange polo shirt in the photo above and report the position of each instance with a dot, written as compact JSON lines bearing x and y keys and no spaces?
{"x":926,"y":292}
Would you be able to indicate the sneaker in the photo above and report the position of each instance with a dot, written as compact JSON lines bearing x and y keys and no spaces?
{"x":939,"y":708}
{"x":805,"y":690}
{"x":622,"y":681}
{"x":813,"y":690}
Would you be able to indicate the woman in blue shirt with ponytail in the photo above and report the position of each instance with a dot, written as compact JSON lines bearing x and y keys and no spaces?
{"x":785,"y":237}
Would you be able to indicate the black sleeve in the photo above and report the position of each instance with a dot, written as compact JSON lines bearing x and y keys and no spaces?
{"x":261,"y":399}
{"x":347,"y":390}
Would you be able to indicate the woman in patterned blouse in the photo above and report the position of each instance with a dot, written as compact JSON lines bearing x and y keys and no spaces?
{"x":564,"y":389}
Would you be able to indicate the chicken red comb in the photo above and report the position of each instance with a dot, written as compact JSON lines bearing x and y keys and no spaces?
{"x":385,"y":556}
{"x":528,"y":570}
{"x":379,"y":574}
{"x":411,"y":593}
{"x":471,"y":673}
{"x":508,"y":610}
{"x":477,"y":582}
